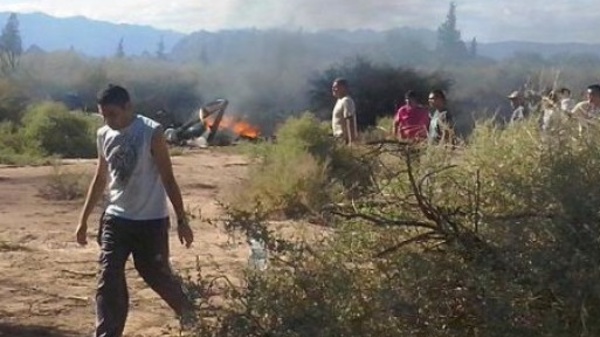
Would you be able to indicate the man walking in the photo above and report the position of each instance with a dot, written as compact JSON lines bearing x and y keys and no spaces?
{"x":134,"y":159}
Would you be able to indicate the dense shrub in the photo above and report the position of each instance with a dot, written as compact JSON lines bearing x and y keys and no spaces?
{"x":13,"y":100}
{"x":500,"y":238}
{"x":301,"y":172}
{"x":57,"y":131}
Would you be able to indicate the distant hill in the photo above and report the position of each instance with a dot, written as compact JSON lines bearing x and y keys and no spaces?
{"x":89,"y":37}
{"x":41,"y":32}
{"x":500,"y":50}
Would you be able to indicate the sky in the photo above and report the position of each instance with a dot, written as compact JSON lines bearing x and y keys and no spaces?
{"x":487,"y":20}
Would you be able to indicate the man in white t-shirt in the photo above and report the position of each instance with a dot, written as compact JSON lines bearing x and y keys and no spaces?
{"x":343,"y":119}
{"x":566,"y":102}
{"x":588,"y":111}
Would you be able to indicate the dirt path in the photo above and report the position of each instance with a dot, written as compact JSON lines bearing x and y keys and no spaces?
{"x":47,"y":281}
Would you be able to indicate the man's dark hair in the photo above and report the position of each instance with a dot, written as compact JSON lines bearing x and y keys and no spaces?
{"x":564,"y":90}
{"x":439,"y":94}
{"x":594,"y":88}
{"x":341,"y":81}
{"x":113,"y":95}
{"x":410,"y":95}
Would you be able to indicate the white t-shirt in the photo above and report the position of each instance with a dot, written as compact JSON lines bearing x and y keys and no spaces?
{"x":344,"y":108}
{"x":135,"y":188}
{"x":567,"y":104}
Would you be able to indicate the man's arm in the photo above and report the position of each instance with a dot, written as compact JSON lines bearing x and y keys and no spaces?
{"x":162,"y":159}
{"x":448,"y":129}
{"x":94,"y":194}
{"x":349,"y":123}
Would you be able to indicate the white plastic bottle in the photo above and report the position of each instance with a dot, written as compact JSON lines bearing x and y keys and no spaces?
{"x":258,"y":255}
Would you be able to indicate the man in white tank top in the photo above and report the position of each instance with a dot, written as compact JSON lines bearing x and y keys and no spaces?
{"x":133,"y":158}
{"x":343,"y":118}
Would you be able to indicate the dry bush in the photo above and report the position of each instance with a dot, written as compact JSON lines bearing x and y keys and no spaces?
{"x":63,"y":184}
{"x":301,"y":172}
{"x":500,"y":238}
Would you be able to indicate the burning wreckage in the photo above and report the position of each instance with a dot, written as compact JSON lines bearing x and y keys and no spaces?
{"x":210,"y":127}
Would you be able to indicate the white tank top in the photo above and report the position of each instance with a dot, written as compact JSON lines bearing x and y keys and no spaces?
{"x":135,"y":188}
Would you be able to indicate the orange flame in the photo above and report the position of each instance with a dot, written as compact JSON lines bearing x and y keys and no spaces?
{"x":237,"y":126}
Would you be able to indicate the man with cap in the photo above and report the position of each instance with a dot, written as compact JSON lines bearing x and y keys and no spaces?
{"x":517,"y":102}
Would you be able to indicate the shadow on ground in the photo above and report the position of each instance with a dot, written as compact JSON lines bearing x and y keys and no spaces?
{"x":16,"y":330}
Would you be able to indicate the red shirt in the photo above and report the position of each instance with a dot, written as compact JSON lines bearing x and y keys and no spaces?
{"x":413,"y":121}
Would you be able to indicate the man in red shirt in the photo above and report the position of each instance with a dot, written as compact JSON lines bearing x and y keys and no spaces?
{"x":412,"y":120}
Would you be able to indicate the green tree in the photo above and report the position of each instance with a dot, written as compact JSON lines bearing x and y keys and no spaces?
{"x":473,"y":48}
{"x":449,"y":46}
{"x":160,"y":51}
{"x":120,"y":50}
{"x":11,"y":46}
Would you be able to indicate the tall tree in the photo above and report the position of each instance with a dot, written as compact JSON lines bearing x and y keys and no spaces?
{"x":11,"y":46}
{"x":450,"y":47}
{"x":473,"y":48}
{"x":160,"y":51}
{"x":120,"y":50}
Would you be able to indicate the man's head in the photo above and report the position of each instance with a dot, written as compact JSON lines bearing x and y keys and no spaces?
{"x":564,"y":92}
{"x":516,"y":99}
{"x":593,"y":94}
{"x":410,"y":97}
{"x":339,"y":88}
{"x":437,"y":99}
{"x":115,"y":106}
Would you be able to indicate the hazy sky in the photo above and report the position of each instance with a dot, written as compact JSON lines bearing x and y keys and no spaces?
{"x":489,"y":20}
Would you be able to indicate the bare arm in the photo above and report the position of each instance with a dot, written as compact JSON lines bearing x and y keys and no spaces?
{"x":350,"y":132}
{"x":93,"y":196}
{"x":349,"y":123}
{"x":95,"y":190}
{"x":162,"y":159}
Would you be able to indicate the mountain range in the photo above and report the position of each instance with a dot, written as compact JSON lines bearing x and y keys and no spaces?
{"x":100,"y":39}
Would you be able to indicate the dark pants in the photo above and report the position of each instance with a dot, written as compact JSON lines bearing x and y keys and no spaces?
{"x":148,"y":242}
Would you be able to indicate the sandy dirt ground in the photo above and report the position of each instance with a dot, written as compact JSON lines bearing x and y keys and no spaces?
{"x":47,"y":281}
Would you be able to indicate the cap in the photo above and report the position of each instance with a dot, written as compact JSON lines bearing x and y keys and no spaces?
{"x":515,"y":94}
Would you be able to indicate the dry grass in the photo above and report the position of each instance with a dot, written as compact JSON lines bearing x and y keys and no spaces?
{"x":64,"y":185}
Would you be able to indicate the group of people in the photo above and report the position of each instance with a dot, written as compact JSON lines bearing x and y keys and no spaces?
{"x":134,"y":162}
{"x":412,"y":122}
{"x":415,"y":122}
{"x":558,"y":105}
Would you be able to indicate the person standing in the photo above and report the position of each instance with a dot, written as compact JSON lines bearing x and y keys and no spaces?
{"x":412,"y":120}
{"x":588,"y":111}
{"x":343,"y":119}
{"x":133,"y":158}
{"x":517,"y":103}
{"x":566,"y":102}
{"x":441,"y":126}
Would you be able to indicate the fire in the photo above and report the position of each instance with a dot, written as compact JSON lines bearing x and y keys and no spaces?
{"x":237,"y":126}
